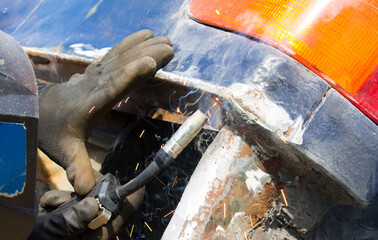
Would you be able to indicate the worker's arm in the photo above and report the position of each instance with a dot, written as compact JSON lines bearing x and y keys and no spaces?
{"x":69,"y":111}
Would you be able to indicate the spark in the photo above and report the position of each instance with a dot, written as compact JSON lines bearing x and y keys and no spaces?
{"x":137,"y":166}
{"x":283,"y":140}
{"x":169,"y":213}
{"x":132,"y":229}
{"x":141,"y":134}
{"x":119,"y":104}
{"x":92,"y":109}
{"x":221,"y":124}
{"x":151,"y":215}
{"x":250,"y":219}
{"x":148,"y":226}
{"x":224,"y":209}
{"x":208,"y":113}
{"x":216,"y":99}
{"x":95,"y":157}
{"x":211,"y":108}
{"x":284,"y":197}
{"x":178,"y":110}
{"x":174,"y":181}
{"x":209,"y":122}
{"x":217,"y":11}
{"x":127,"y":99}
{"x":185,"y":82}
{"x":162,"y":145}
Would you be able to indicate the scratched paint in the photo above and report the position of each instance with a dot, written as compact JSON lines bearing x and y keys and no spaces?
{"x":93,"y":9}
{"x":27,"y":17}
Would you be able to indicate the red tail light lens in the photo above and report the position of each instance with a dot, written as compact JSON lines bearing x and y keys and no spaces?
{"x":337,"y":39}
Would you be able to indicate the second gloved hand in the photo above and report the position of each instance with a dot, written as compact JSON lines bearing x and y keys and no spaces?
{"x":72,"y":222}
{"x":69,"y":111}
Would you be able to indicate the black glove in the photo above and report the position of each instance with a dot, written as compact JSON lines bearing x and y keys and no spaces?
{"x":72,"y":223}
{"x":69,"y":111}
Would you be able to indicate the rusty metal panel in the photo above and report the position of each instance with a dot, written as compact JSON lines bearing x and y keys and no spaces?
{"x":227,"y":194}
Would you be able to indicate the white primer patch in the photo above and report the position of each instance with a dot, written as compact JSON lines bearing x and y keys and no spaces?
{"x":219,"y":230}
{"x":259,"y":108}
{"x":256,"y":180}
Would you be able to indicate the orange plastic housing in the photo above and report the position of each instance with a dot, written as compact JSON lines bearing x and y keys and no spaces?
{"x":337,"y":39}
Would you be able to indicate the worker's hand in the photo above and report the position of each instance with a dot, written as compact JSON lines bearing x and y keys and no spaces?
{"x":69,"y":111}
{"x":72,"y":223}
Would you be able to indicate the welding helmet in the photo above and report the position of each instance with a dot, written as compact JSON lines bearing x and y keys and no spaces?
{"x":18,"y":141}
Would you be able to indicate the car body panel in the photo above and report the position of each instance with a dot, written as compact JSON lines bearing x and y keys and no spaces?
{"x":299,"y":106}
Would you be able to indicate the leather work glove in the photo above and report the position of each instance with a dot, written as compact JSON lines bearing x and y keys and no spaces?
{"x":69,"y":111}
{"x":72,"y":223}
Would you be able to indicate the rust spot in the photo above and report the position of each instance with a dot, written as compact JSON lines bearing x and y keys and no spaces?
{"x":245,"y":152}
{"x":236,"y":199}
{"x":259,"y":205}
{"x":205,"y":210}
{"x":231,"y":196}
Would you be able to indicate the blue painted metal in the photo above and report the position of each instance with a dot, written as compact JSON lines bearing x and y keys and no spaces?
{"x":51,"y":23}
{"x":12,"y":158}
{"x":345,"y":142}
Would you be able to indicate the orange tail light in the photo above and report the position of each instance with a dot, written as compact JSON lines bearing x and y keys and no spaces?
{"x":337,"y":39}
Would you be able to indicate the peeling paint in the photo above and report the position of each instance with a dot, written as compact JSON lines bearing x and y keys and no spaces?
{"x":11,"y":195}
{"x":87,"y":50}
{"x":13,"y":147}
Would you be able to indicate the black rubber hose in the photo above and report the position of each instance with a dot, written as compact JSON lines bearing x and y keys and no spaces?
{"x":161,"y":160}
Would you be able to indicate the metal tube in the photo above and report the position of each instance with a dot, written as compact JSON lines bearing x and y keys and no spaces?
{"x":182,"y":137}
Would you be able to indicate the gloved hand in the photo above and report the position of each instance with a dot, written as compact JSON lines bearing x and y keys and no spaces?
{"x":72,"y":223}
{"x":69,"y":111}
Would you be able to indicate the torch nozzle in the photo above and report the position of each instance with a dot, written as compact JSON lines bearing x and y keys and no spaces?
{"x":184,"y":135}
